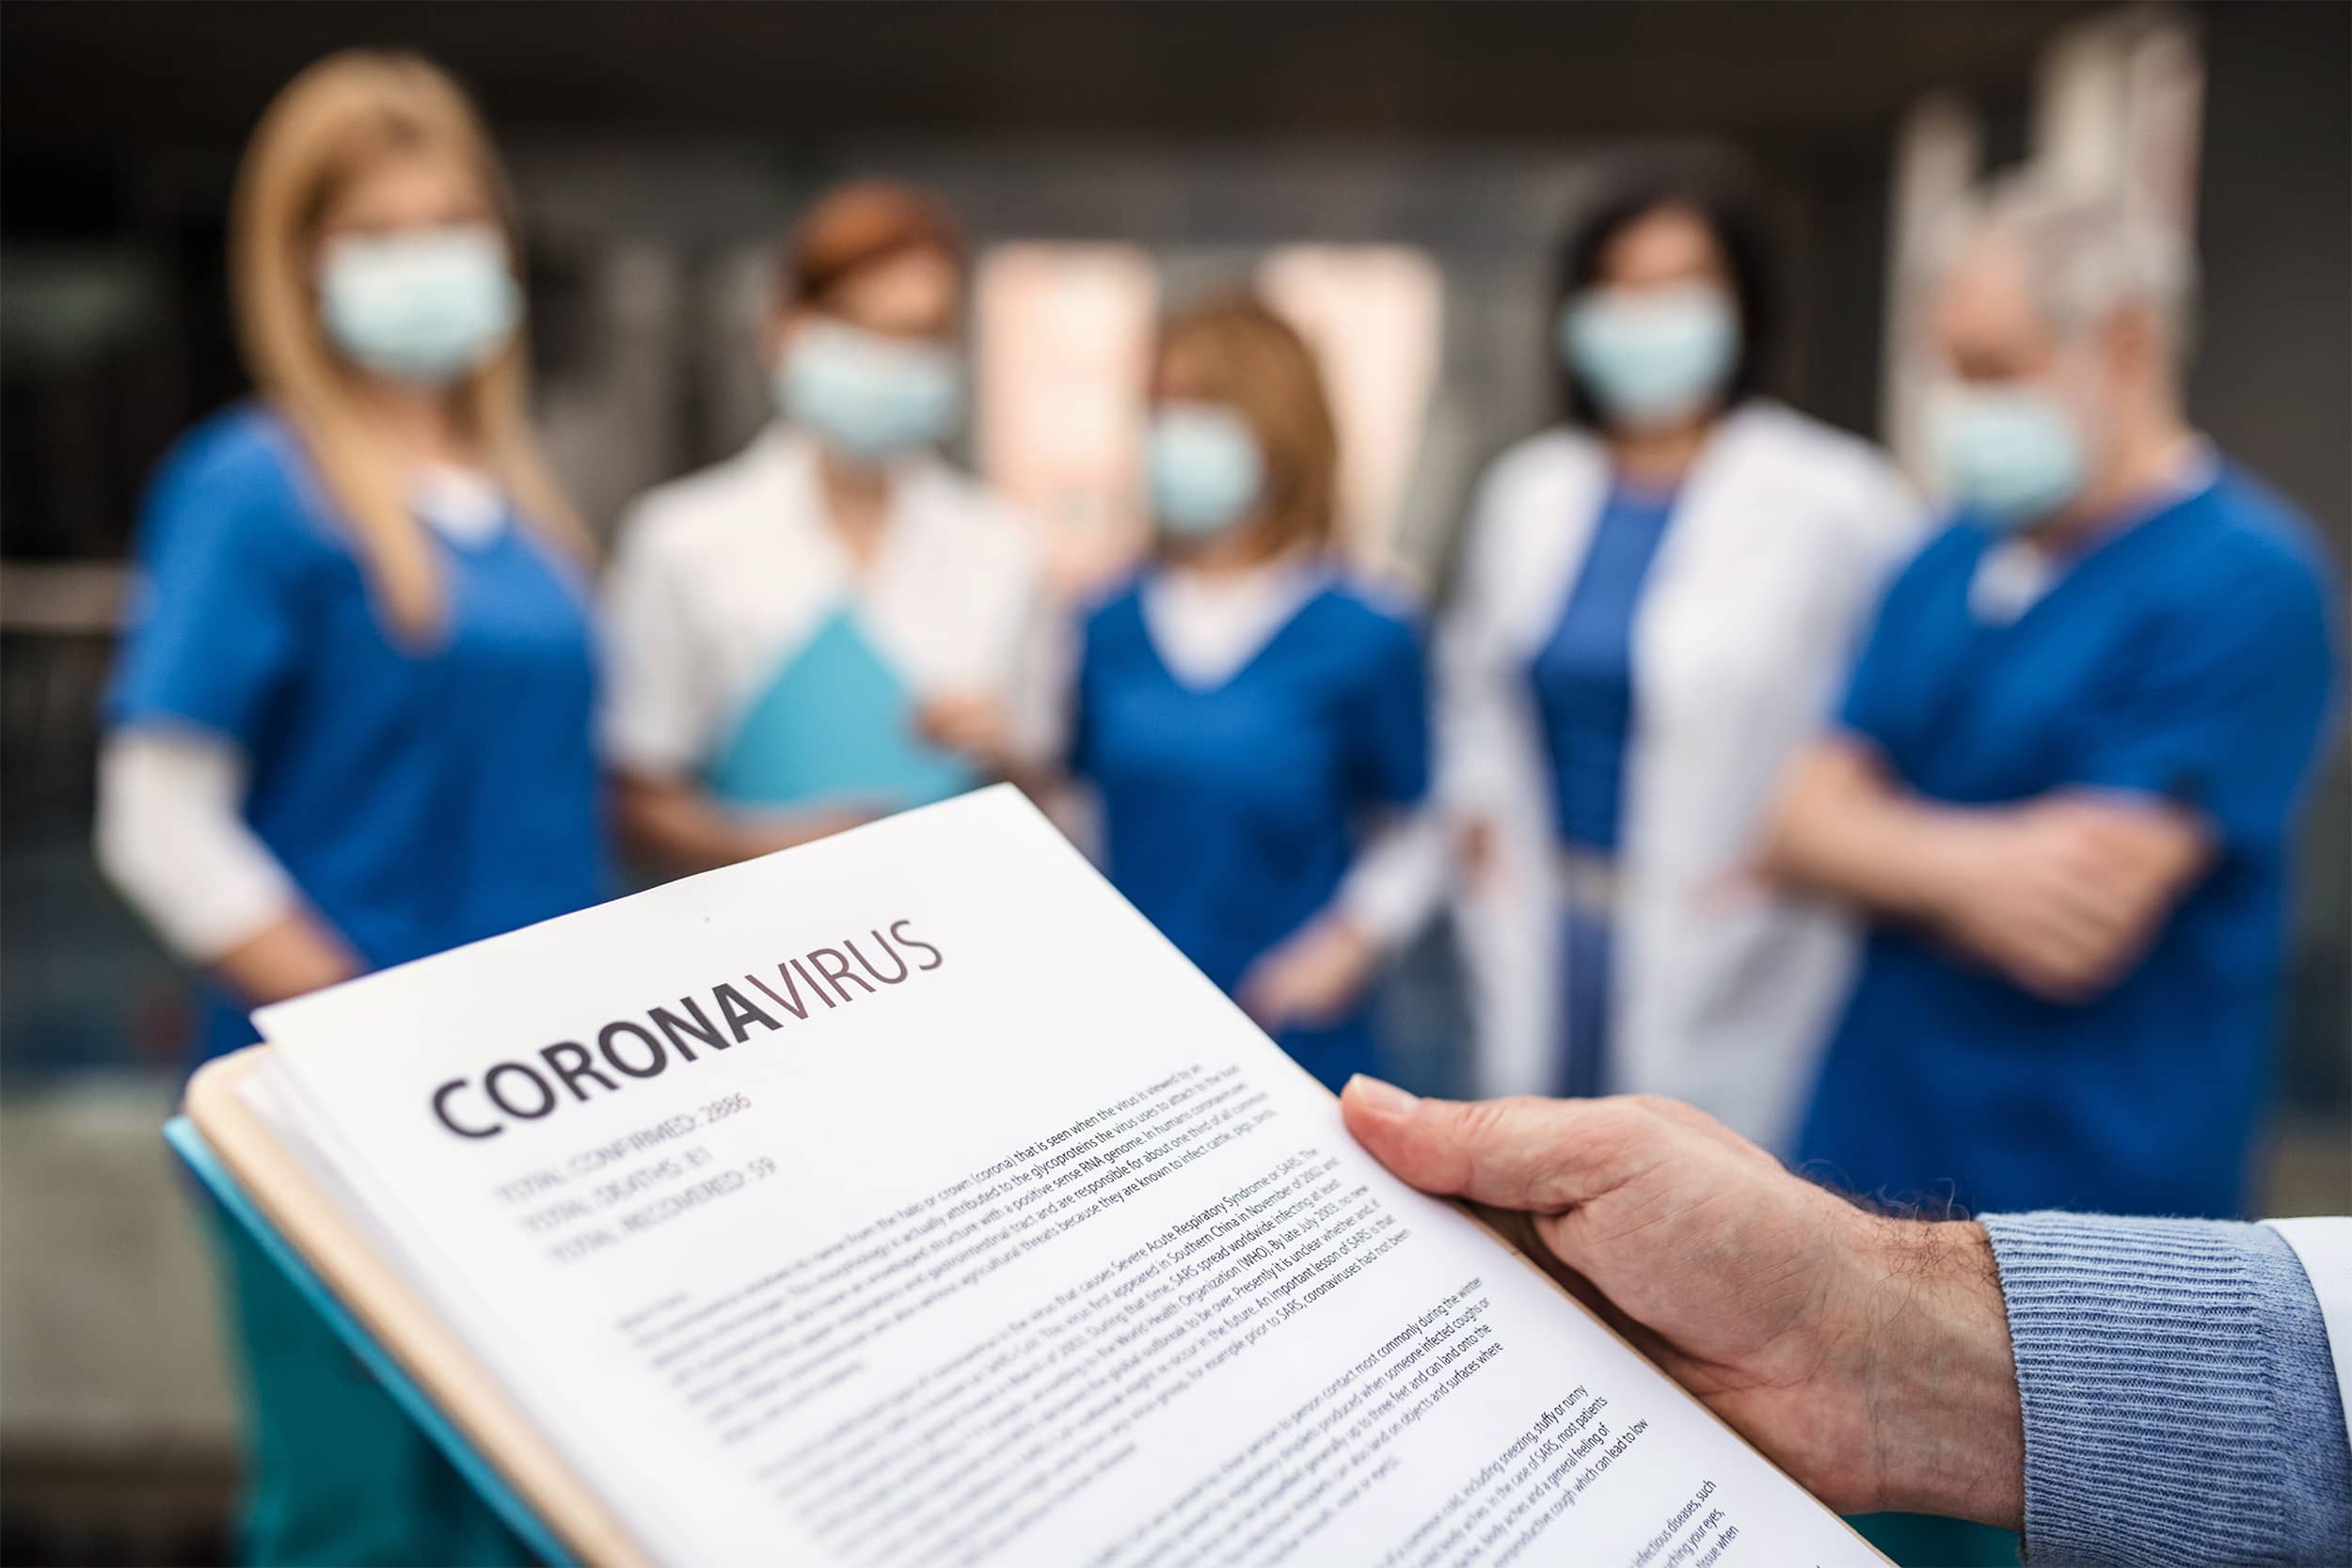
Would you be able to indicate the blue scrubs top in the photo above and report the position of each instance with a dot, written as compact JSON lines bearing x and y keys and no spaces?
{"x":420,"y":799}
{"x":2187,"y":657}
{"x":1584,"y":674}
{"x":1229,"y":813}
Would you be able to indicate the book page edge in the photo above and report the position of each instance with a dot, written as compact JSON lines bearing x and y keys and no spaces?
{"x":391,"y":1311}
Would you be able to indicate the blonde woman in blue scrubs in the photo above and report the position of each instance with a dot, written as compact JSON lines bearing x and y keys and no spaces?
{"x":352,"y":722}
{"x":1254,"y":728}
{"x":834,"y":623}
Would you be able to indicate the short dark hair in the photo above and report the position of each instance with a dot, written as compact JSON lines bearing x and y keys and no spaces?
{"x":1740,"y":230}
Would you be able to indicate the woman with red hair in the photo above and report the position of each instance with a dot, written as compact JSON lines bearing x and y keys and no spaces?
{"x":835,"y":623}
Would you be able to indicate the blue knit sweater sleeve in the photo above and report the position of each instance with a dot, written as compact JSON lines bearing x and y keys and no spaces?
{"x":2180,"y":1401}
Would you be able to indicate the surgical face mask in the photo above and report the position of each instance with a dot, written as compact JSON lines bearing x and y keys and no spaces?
{"x":424,"y":307}
{"x":867,"y":396}
{"x":2013,"y":452}
{"x":1651,"y":357}
{"x":1205,"y":470}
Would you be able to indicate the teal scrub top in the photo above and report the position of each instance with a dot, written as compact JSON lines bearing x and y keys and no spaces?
{"x":1582,"y":677}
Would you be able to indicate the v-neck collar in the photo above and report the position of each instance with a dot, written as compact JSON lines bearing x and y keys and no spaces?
{"x":799,"y":504}
{"x":1315,"y":583}
{"x":2106,"y":545}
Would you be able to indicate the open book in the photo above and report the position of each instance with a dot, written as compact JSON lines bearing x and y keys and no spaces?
{"x":907,"y":1198}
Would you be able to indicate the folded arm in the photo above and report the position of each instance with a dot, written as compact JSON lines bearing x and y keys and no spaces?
{"x":2061,"y":893}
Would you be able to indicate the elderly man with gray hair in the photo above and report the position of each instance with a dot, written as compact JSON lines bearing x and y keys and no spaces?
{"x":2061,"y":786}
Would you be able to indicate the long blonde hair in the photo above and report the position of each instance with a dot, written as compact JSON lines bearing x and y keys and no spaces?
{"x":337,"y":120}
{"x":1246,"y":357}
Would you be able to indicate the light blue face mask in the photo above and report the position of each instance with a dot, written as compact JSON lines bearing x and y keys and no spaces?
{"x":1651,"y":357}
{"x":1204,"y":468}
{"x":2012,"y":452}
{"x":424,"y":307}
{"x":867,"y":396}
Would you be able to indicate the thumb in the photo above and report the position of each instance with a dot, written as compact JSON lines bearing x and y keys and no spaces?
{"x":1735,"y":887}
{"x":1259,"y":994}
{"x":1545,"y":1155}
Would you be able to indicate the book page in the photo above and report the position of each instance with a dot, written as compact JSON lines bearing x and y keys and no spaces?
{"x":907,"y":1198}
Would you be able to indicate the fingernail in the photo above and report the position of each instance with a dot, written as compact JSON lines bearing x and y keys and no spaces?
{"x":1381,"y":1099}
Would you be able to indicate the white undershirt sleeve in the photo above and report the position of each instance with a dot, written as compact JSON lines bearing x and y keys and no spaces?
{"x":174,"y":840}
{"x":661,"y":695}
{"x":1476,"y":672}
{"x":2324,"y":1246}
{"x":1044,"y":680}
{"x":1394,"y":887}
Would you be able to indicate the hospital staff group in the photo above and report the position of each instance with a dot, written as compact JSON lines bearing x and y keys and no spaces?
{"x":1951,"y":861}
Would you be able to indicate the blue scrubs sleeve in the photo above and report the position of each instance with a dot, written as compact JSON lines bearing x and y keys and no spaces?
{"x":211,"y":634}
{"x":1391,"y":747}
{"x":1078,"y":748}
{"x":1879,"y":693}
{"x":2223,"y":711}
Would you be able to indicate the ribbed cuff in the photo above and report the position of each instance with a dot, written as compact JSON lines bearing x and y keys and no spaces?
{"x":2162,"y":1369}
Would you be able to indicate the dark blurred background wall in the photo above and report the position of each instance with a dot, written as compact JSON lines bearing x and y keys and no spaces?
{"x":658,"y":149}
{"x":2273,"y":385}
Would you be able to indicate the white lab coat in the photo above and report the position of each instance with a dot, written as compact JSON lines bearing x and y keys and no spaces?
{"x":1776,"y":557}
{"x":720,"y":578}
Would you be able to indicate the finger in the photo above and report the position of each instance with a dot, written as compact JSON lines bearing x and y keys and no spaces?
{"x":1309,"y":1003}
{"x":1260,"y":995}
{"x":1474,"y":850}
{"x":2120,"y":816}
{"x":2094,"y":930}
{"x":2047,"y":947}
{"x":2061,"y":857}
{"x":948,"y":724}
{"x":2070,"y":968}
{"x":1545,"y":1155}
{"x":2108,"y":841}
{"x":2069,"y":988}
{"x":2079,"y":908}
{"x":1733,"y":888}
{"x":2059,"y":947}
